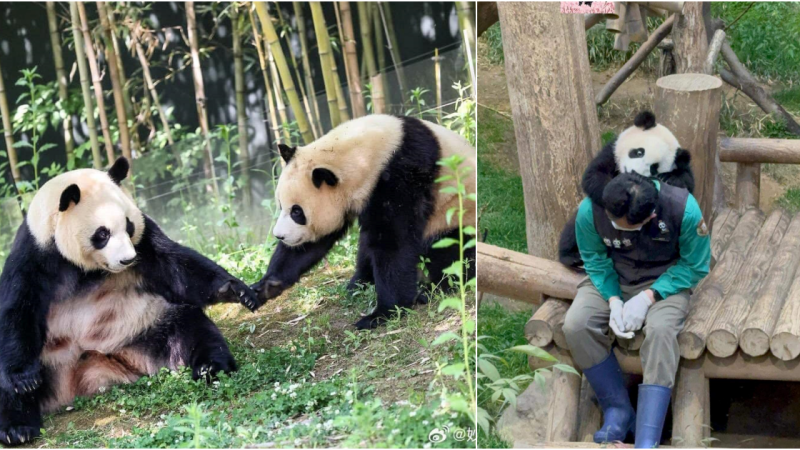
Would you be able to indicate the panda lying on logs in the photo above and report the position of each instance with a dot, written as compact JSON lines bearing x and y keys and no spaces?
{"x":646,"y":148}
{"x":381,"y":170}
{"x":94,"y":294}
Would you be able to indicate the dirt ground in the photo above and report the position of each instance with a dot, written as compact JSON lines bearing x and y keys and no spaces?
{"x":745,"y":414}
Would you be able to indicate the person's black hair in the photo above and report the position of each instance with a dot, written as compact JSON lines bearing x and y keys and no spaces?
{"x":631,"y":196}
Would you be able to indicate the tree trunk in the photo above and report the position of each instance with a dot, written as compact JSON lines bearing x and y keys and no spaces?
{"x":312,"y":95}
{"x":273,"y":118}
{"x":116,"y":85}
{"x":324,"y":44}
{"x":200,"y":96}
{"x":241,"y":113}
{"x":61,"y":75}
{"x":555,"y":121}
{"x":385,"y":11}
{"x":689,"y":105}
{"x":285,"y":75}
{"x":354,"y":80}
{"x":83,"y":71}
{"x":13,"y":161}
{"x":96,"y":82}
{"x":690,"y":38}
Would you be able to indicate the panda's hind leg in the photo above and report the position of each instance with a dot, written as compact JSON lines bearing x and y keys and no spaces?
{"x":439,"y":259}
{"x":363,"y":274}
{"x":187,"y":336}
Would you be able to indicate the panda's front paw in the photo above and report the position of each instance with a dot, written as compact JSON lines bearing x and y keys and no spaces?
{"x":236,"y":291}
{"x":18,"y":435}
{"x":209,"y":367}
{"x":268,"y":288}
{"x":25,"y":381}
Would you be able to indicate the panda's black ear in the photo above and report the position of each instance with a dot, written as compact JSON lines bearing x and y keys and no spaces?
{"x":287,"y":153}
{"x":119,"y":171}
{"x":72,"y":194}
{"x":320,"y":175}
{"x":645,"y":119}
{"x":683,"y":158}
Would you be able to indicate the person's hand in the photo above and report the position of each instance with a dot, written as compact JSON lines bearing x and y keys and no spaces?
{"x":615,"y":320}
{"x":635,"y":310}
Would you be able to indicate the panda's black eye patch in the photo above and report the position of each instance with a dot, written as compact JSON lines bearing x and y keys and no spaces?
{"x":636,"y":153}
{"x":129,"y":227}
{"x":297,"y":215}
{"x":100,"y":238}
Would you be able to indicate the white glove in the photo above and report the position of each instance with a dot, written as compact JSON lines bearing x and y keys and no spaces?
{"x":635,"y":310}
{"x":615,"y":320}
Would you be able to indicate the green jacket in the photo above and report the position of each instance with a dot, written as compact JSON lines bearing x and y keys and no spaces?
{"x":692,"y":260}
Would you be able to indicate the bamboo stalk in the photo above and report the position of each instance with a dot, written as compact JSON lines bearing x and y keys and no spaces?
{"x":380,"y":46}
{"x":83,"y":71}
{"x":312,"y":95}
{"x":466,"y":20}
{"x":340,"y":94}
{"x":366,"y":38}
{"x":200,"y":96}
{"x":351,"y":59}
{"x":13,"y":161}
{"x":96,"y":82}
{"x":267,"y":85}
{"x":324,"y":45}
{"x":123,"y":79}
{"x":61,"y":75}
{"x":285,"y":75}
{"x":116,"y":86}
{"x":394,"y":49}
{"x":276,"y":91}
{"x":303,"y":95}
{"x":241,"y":113}
{"x":150,"y":86}
{"x":437,"y":73}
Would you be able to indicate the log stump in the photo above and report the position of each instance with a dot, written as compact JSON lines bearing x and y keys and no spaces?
{"x":689,"y":104}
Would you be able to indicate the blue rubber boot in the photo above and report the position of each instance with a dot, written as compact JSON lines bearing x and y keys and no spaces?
{"x":618,"y":415}
{"x":650,"y":414}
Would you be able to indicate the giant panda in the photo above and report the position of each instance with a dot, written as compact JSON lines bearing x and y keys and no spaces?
{"x":93,"y":293}
{"x":381,"y":170}
{"x":647,"y":148}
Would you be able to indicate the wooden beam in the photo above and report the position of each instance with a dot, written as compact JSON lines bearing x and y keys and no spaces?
{"x":688,"y":405}
{"x":522,"y":277}
{"x":723,"y":227}
{"x":635,"y":61}
{"x":756,"y":332}
{"x":723,"y":338}
{"x":752,"y":150}
{"x":748,"y":185}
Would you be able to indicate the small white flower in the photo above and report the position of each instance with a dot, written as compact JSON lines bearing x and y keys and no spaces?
{"x":395,"y":431}
{"x":274,"y":396}
{"x":293,"y":395}
{"x":425,"y":422}
{"x":412,"y":414}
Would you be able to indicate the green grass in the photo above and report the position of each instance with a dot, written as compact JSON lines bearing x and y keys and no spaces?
{"x":494,"y":41}
{"x":790,"y":200}
{"x":305,"y":378}
{"x":501,"y":202}
{"x":766,"y":38}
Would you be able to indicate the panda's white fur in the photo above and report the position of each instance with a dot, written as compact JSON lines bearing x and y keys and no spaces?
{"x":660,"y":144}
{"x":102,"y":203}
{"x":357,"y":151}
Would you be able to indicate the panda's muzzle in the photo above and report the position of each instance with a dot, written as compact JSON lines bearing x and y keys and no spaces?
{"x":128,"y":262}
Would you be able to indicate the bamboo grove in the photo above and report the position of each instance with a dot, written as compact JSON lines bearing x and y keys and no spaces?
{"x":132,"y":120}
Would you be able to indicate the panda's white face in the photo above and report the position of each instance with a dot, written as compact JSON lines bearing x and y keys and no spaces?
{"x":291,"y":227}
{"x":646,"y":152}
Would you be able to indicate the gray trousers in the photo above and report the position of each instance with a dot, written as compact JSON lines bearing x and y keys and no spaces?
{"x":589,"y":337}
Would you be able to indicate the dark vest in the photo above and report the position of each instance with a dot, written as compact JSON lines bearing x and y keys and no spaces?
{"x":641,"y":256}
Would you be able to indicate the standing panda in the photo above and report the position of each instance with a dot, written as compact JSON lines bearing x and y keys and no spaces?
{"x":381,"y":170}
{"x":646,"y":148}
{"x":94,"y":294}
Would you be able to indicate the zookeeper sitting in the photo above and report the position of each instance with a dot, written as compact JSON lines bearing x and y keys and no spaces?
{"x":643,"y":254}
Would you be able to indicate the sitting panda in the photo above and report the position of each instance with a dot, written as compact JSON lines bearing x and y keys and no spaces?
{"x":381,"y":170}
{"x":646,"y":148}
{"x":94,"y":294}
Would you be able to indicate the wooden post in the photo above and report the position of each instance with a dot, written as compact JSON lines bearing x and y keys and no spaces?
{"x":555,"y":120}
{"x":689,"y":105}
{"x":590,"y":416}
{"x":689,"y":404}
{"x":748,"y":185}
{"x":691,"y":40}
{"x":562,"y":423}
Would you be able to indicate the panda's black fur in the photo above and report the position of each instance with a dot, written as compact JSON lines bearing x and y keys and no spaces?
{"x":391,"y":233}
{"x":602,"y":169}
{"x":36,"y":279}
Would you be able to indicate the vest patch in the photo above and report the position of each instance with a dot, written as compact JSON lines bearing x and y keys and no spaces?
{"x":702,"y":229}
